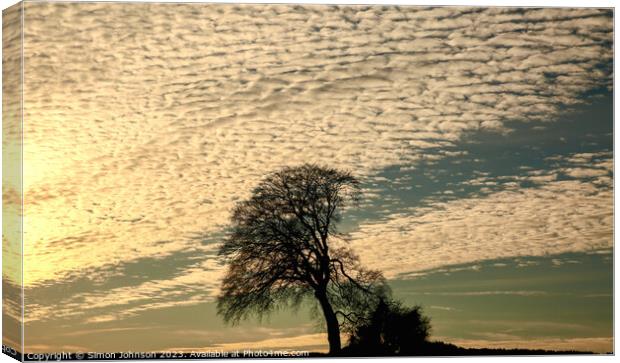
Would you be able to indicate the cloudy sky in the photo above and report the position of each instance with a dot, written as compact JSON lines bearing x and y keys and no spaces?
{"x":483,"y":137}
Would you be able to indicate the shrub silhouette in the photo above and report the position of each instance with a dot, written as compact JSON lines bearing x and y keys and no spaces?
{"x":391,"y":329}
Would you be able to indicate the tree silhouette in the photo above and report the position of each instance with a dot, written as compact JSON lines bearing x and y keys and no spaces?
{"x":284,"y":247}
{"x":391,"y":329}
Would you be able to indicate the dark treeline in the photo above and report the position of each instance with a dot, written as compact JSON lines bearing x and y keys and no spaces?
{"x":437,"y":349}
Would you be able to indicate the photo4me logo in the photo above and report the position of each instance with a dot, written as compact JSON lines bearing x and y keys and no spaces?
{"x":274,"y":353}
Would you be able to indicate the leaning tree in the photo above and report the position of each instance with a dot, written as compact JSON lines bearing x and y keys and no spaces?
{"x":284,"y":246}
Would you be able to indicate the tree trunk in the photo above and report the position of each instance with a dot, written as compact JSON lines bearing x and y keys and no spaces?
{"x":333,"y":328}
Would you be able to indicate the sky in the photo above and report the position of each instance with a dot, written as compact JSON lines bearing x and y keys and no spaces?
{"x":482,"y":137}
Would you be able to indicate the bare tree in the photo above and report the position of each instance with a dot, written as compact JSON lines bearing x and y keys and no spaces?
{"x":282,"y":249}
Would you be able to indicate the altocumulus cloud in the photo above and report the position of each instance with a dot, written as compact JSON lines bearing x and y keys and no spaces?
{"x":558,"y":216}
{"x":147,"y":122}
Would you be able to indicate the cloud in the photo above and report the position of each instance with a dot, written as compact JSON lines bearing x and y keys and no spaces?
{"x":559,"y":262}
{"x":445,"y":308}
{"x":557,"y":217}
{"x":308,"y":342}
{"x":194,"y":285}
{"x":146,"y":123}
{"x":490,"y":293}
{"x":46,"y":348}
